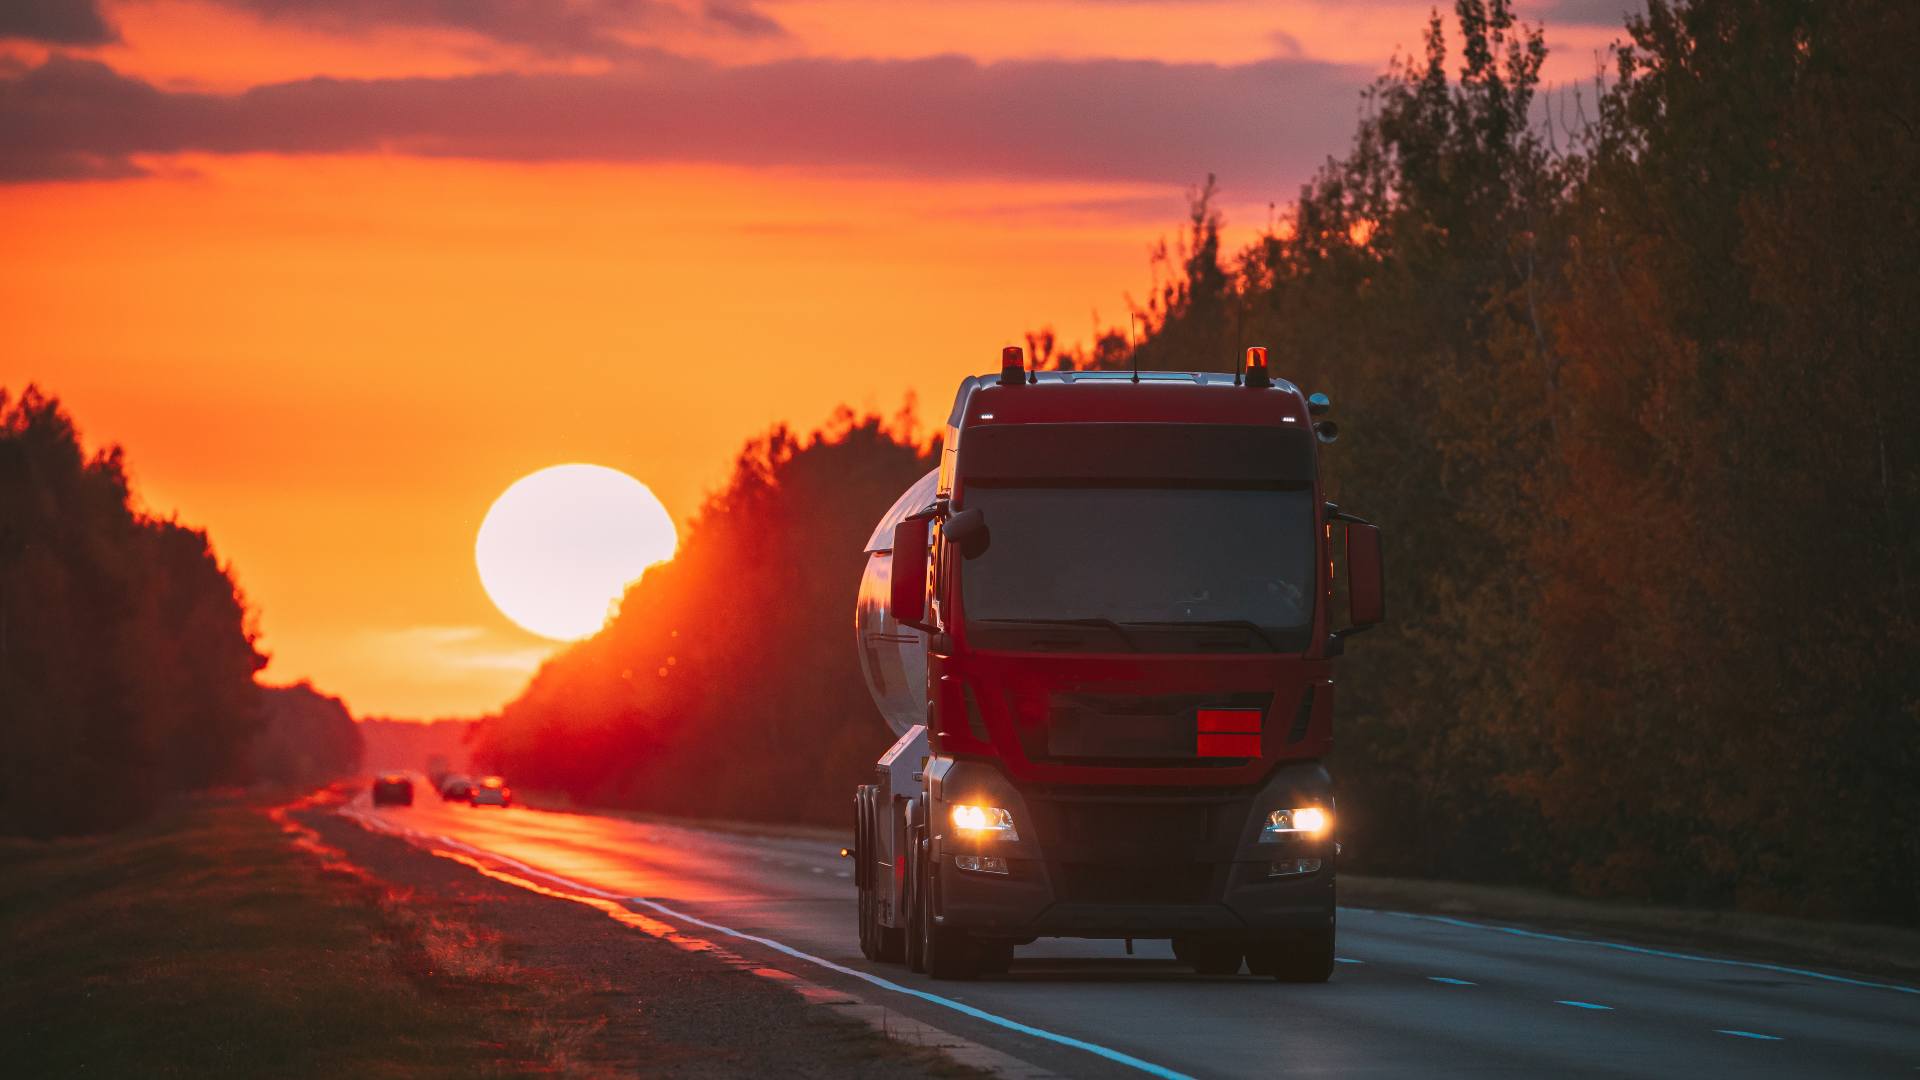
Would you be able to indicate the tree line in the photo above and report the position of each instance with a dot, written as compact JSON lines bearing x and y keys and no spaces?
{"x":1633,"y":397}
{"x":127,"y":654}
{"x":1628,"y":376}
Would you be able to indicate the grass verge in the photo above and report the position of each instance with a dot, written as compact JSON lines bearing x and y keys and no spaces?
{"x":1886,"y":951}
{"x":206,"y":943}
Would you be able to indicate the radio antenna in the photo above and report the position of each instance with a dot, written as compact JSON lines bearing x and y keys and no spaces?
{"x":1133,"y":330}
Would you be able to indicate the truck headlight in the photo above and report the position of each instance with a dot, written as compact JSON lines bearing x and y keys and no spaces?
{"x":1308,"y":822}
{"x":983,"y":822}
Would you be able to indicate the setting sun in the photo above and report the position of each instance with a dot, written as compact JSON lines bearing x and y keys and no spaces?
{"x":560,"y":546}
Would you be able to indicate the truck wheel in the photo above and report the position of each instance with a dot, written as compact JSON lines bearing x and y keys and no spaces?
{"x":913,"y":949}
{"x":889,"y":942}
{"x":892,"y":943}
{"x":867,"y":925}
{"x":863,"y":886}
{"x":1303,"y":957}
{"x":945,"y":953}
{"x":996,"y":957}
{"x":1208,"y":957}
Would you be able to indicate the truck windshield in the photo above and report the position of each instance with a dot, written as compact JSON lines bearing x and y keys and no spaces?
{"x":1150,"y":569}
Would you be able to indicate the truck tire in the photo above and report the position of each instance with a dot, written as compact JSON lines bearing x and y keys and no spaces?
{"x":889,"y":942}
{"x":886,"y":944}
{"x":1305,"y":956}
{"x":996,"y":957}
{"x":1209,"y":957}
{"x":914,"y":950}
{"x":864,"y":917}
{"x":945,"y":952}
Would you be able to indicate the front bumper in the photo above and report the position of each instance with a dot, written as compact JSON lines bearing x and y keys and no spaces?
{"x":1149,"y":863}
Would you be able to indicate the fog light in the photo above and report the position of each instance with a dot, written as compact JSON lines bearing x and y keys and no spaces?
{"x":1291,"y":867}
{"x":983,"y":822}
{"x":1309,"y":822}
{"x":981,"y":864}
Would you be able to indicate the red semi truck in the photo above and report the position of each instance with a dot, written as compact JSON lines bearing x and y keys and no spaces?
{"x":1101,"y":631}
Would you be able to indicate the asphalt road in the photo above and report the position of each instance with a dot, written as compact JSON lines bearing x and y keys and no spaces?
{"x":1413,"y":995}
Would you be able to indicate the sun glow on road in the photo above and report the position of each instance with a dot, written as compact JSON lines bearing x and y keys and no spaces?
{"x":560,"y":547}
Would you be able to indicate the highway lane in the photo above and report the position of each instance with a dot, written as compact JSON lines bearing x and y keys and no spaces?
{"x":1414,"y":995}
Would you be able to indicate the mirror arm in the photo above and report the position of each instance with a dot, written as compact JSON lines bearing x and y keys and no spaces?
{"x":1334,"y":513}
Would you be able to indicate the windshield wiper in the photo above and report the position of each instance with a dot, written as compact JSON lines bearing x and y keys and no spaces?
{"x":1103,"y":624}
{"x":1218,"y":624}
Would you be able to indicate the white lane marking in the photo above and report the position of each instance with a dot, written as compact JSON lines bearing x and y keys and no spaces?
{"x":841,"y":873}
{"x":818,"y":869}
{"x":1643,"y":950}
{"x":1586,"y":1005}
{"x":1450,"y":982}
{"x":1116,"y":1056}
{"x":1345,"y":960}
{"x":1748,"y":1035}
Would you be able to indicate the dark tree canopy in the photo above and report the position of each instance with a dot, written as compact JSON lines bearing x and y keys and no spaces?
{"x":1634,"y":403}
{"x":126,"y":657}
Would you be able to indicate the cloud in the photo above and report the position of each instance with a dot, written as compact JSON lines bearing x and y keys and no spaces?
{"x":55,"y":22}
{"x":1588,"y":12}
{"x":448,"y":653}
{"x":1254,"y":123}
{"x":601,"y":28}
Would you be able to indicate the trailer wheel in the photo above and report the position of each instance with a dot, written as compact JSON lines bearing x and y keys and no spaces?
{"x":1302,"y":957}
{"x":945,"y":952}
{"x":867,"y":947}
{"x":889,"y":942}
{"x":886,"y":944}
{"x":861,"y":853}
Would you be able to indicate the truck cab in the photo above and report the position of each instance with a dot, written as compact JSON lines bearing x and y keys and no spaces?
{"x":1102,"y":633}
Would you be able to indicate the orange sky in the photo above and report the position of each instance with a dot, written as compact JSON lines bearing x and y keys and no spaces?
{"x":339,"y":274}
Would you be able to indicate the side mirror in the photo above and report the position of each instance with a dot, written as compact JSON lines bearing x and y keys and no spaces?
{"x":908,"y":601}
{"x":1366,"y":578}
{"x":967,"y":530}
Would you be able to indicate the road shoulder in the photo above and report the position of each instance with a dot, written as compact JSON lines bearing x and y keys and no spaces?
{"x":660,"y":1008}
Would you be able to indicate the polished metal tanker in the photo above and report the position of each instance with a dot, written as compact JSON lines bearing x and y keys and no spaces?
{"x":893,"y":657}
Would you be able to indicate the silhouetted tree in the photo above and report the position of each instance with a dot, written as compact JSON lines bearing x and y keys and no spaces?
{"x":727,"y":684}
{"x":1635,"y":414}
{"x":308,"y":738}
{"x":126,"y":661}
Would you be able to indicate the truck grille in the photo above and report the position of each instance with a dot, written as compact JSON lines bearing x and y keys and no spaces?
{"x":1149,"y":883}
{"x":1130,"y":729}
{"x":1125,"y":831}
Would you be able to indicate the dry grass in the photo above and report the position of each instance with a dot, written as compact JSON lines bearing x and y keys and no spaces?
{"x":206,"y":944}
{"x":1892,"y":952}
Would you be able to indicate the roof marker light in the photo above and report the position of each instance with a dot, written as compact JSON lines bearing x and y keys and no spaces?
{"x":1013,"y":366}
{"x":1257,"y":376}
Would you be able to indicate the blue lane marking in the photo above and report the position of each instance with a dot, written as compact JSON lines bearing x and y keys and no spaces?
{"x":1748,"y":1035}
{"x":1644,"y":951}
{"x":1115,"y":1056}
{"x":1345,"y":960}
{"x":1450,"y":982}
{"x":1586,"y":1005}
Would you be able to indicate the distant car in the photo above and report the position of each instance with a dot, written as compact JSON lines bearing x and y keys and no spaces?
{"x":492,"y":795}
{"x":457,"y":789}
{"x":393,"y":789}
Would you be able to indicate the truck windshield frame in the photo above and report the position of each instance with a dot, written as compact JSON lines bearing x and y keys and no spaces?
{"x":1141,"y":567}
